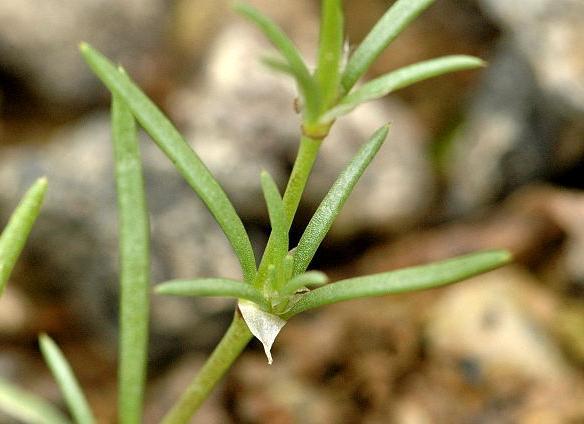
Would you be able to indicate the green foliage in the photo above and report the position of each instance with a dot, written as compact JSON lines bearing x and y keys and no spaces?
{"x":66,"y":379}
{"x":172,"y":143}
{"x":333,"y":202}
{"x":394,"y":21}
{"x":401,"y":78}
{"x":280,"y":287}
{"x":134,"y":241}
{"x":14,"y":236}
{"x":295,"y":64}
{"x":221,"y":287}
{"x":28,"y":408}
{"x":404,"y":280}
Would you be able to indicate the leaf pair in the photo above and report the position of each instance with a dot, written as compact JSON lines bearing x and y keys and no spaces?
{"x":328,"y":94}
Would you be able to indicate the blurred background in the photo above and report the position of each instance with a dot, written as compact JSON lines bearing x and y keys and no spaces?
{"x":475,"y":160}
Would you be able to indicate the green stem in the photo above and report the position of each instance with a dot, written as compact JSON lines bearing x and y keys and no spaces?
{"x":300,"y":172}
{"x":228,"y":349}
{"x":305,"y":158}
{"x":238,"y":335}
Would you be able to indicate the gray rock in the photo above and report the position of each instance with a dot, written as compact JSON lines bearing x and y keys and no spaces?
{"x":510,"y":136}
{"x":525,"y":122}
{"x":241,"y":119}
{"x":72,"y":253}
{"x":494,"y":326}
{"x":550,"y":34}
{"x":38,"y":42}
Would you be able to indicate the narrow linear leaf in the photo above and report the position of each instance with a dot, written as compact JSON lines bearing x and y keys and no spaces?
{"x":66,"y":380}
{"x":330,"y":50}
{"x":394,"y":21}
{"x":404,"y":280}
{"x":220,"y":287}
{"x":134,"y":230}
{"x":186,"y":161}
{"x":334,"y":200}
{"x":306,"y":279}
{"x":279,"y":247}
{"x":18,"y":228}
{"x":306,"y":84}
{"x":28,"y":408}
{"x":401,"y":78}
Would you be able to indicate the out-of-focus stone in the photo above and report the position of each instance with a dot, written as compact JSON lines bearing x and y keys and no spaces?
{"x":491,"y":327}
{"x":569,"y":327}
{"x":525,"y":123}
{"x":72,"y":252}
{"x":38,"y":42}
{"x":549,"y":33}
{"x":241,"y":120}
{"x":15,"y":312}
{"x":319,"y":377}
{"x":567,"y":210}
{"x":512,"y":136}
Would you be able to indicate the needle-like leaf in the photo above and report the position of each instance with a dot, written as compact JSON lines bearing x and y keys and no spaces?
{"x":219,"y":287}
{"x":334,"y":200}
{"x":401,"y":78}
{"x":66,"y":380}
{"x":330,"y":50}
{"x":404,"y":280}
{"x":306,"y":84}
{"x":18,"y":228}
{"x":134,"y":241}
{"x":28,"y":408}
{"x":276,"y":212}
{"x":276,"y":250}
{"x":394,"y":21}
{"x":186,"y":161}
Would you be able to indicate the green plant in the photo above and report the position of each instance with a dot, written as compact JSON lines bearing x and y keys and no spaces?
{"x":280,"y":287}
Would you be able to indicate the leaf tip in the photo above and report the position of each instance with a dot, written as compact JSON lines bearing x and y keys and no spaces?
{"x":44,"y":341}
{"x":83,"y":46}
{"x":160,"y":289}
{"x":239,"y":6}
{"x":505,"y":255}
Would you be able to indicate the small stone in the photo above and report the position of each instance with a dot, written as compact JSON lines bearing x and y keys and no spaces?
{"x":38,"y":42}
{"x":491,"y":326}
{"x":549,"y":33}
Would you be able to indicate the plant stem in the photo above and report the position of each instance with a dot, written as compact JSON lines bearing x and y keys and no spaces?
{"x":300,"y":172}
{"x":228,"y":349}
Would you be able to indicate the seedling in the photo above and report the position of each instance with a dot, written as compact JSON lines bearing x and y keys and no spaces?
{"x":281,"y":286}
